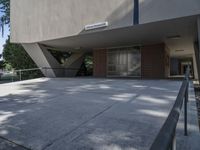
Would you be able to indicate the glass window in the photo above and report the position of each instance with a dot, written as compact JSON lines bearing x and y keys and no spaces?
{"x":124,"y":62}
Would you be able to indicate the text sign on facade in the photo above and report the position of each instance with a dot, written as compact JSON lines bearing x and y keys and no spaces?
{"x":96,"y":26}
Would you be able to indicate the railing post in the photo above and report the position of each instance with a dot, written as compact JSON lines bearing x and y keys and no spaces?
{"x":185,"y":110}
{"x":45,"y":71}
{"x":12,"y":76}
{"x":20,"y":75}
{"x":173,"y":145}
{"x":186,"y":101}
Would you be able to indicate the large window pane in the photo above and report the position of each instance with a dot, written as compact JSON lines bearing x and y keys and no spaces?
{"x":124,"y":62}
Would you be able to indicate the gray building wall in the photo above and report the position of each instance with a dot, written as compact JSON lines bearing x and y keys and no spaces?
{"x":40,"y":20}
{"x":157,"y":10}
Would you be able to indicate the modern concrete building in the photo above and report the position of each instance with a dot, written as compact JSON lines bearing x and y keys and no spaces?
{"x":125,"y":38}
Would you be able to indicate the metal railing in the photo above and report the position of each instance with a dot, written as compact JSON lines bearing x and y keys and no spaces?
{"x":60,"y":72}
{"x":47,"y":71}
{"x":166,"y":138}
{"x":24,"y":70}
{"x":32,"y":73}
{"x":21,"y":74}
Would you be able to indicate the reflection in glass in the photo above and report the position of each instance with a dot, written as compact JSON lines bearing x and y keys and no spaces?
{"x":125,"y":62}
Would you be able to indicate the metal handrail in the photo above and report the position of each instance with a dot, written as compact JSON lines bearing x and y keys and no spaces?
{"x":42,"y":68}
{"x":24,"y":70}
{"x":166,"y":138}
{"x":61,"y":68}
{"x":31,"y":69}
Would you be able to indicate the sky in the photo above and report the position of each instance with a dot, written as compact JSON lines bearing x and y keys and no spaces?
{"x":3,"y":39}
{"x":5,"y":36}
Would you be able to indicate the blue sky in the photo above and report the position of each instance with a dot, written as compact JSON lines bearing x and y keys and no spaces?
{"x":5,"y":36}
{"x":3,"y":39}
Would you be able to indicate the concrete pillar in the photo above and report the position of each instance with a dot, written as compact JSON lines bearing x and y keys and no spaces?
{"x":100,"y":63}
{"x":73,"y":64}
{"x":195,"y":67}
{"x":43,"y":59}
{"x":198,"y":30}
{"x":197,"y":47}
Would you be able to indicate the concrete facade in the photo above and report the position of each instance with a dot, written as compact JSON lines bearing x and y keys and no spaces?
{"x":61,"y":26}
{"x":40,"y":57}
{"x":36,"y":19}
{"x":158,"y":10}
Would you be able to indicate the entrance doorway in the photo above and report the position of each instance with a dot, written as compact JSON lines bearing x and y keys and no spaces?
{"x":124,"y":62}
{"x":178,"y":66}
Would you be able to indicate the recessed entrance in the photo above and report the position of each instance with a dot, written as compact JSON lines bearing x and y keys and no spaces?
{"x":178,"y":66}
{"x":124,"y":62}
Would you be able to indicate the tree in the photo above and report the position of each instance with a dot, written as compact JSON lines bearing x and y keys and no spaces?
{"x":5,"y":18}
{"x":1,"y":64}
{"x":15,"y":55}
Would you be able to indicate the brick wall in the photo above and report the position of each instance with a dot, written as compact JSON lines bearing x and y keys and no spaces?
{"x":100,"y":63}
{"x":153,"y":61}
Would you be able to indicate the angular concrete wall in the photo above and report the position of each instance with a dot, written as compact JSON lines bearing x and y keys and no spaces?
{"x":157,"y":10}
{"x":43,"y":59}
{"x":40,"y":20}
{"x":49,"y":65}
{"x":73,"y":64}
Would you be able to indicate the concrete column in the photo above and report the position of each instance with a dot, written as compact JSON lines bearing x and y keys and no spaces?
{"x":195,"y":67}
{"x":43,"y":59}
{"x":197,"y":47}
{"x":198,"y":30}
{"x":73,"y":64}
{"x":100,"y":63}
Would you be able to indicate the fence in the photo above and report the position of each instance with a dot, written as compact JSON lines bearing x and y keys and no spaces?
{"x":166,"y":138}
{"x":25,"y":74}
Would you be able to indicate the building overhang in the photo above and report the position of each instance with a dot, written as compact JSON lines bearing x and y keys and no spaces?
{"x":180,"y":33}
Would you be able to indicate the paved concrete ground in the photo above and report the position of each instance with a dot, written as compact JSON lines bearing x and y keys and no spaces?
{"x":192,"y":141}
{"x":74,"y":113}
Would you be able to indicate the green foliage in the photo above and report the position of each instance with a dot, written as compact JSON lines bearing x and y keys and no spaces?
{"x":89,"y":63}
{"x":7,"y":67}
{"x":60,"y":56}
{"x":5,"y":9}
{"x":5,"y":18}
{"x":1,"y":64}
{"x":15,"y":56}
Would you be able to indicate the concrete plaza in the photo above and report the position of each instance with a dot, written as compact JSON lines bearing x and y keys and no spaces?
{"x":80,"y":113}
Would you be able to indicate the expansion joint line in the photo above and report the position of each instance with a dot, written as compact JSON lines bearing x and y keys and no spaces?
{"x":12,"y":142}
{"x":82,"y":124}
